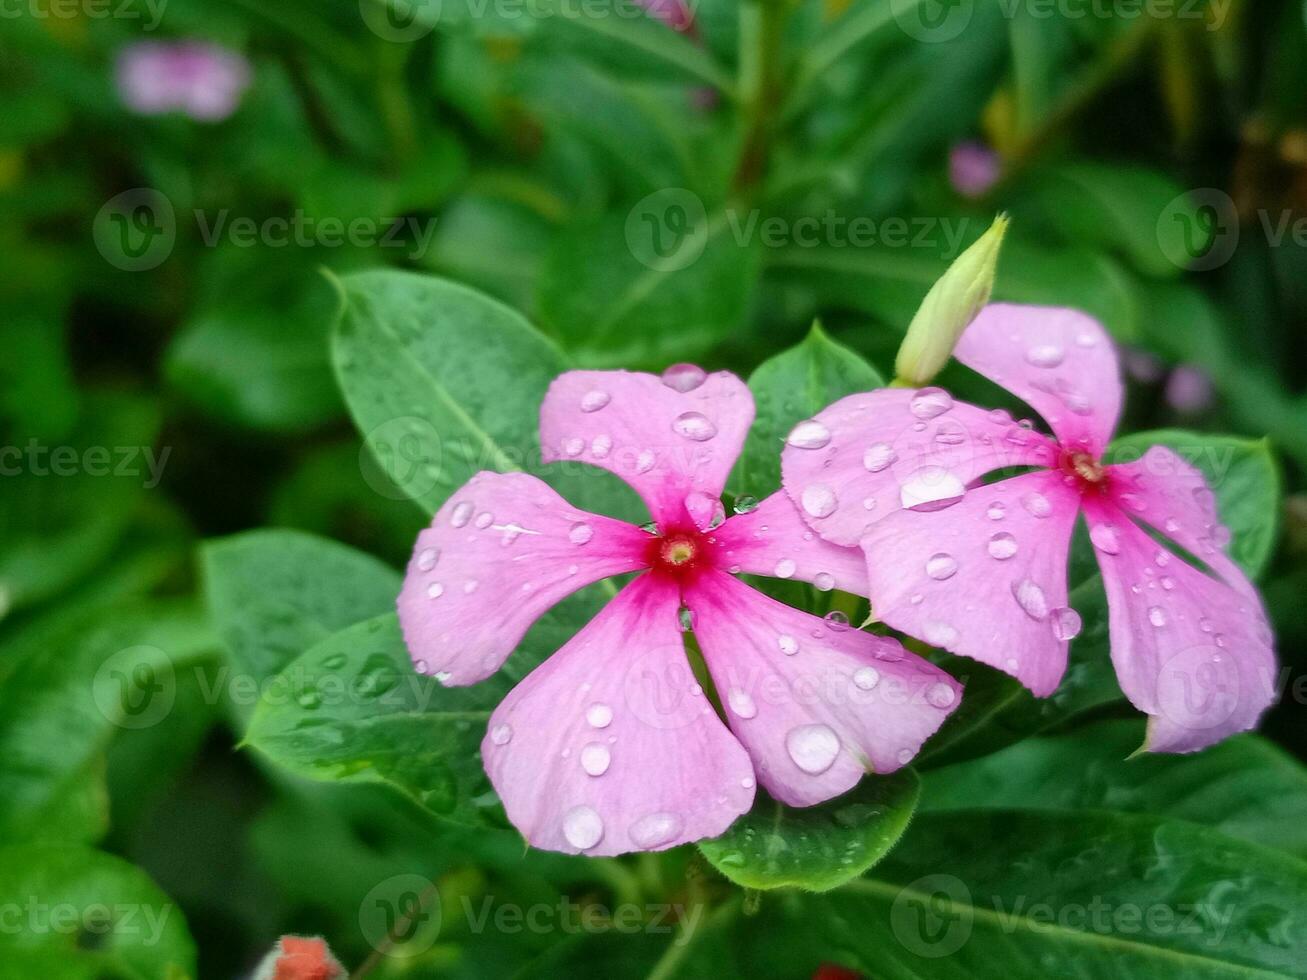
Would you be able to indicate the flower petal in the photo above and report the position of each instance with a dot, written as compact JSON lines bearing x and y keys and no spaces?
{"x":1059,"y":361}
{"x":817,"y":705}
{"x":773,"y":540}
{"x":1190,"y":651}
{"x":1171,"y":496}
{"x":609,"y":746}
{"x":502,"y":550}
{"x":986,"y":578}
{"x":899,"y":448}
{"x":666,"y":437}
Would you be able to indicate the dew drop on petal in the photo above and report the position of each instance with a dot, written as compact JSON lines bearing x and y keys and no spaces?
{"x":810,"y":434}
{"x":1045,"y":355}
{"x":645,"y":462}
{"x":905,"y":756}
{"x":941,"y":566}
{"x":940,"y":634}
{"x":1105,"y":538}
{"x":1036,"y":504}
{"x":500,"y":734}
{"x":462,"y":514}
{"x":594,"y":400}
{"x":580,"y":533}
{"x":582,"y":827}
{"x":818,"y":500}
{"x":866,"y":677}
{"x":813,"y":748}
{"x":1002,"y":546}
{"x":931,"y":488}
{"x":694,"y":426}
{"x":837,"y":620}
{"x":1030,"y":597}
{"x":824,"y":581}
{"x":1157,"y":616}
{"x":996,"y":511}
{"x":745,"y":504}
{"x":941,"y":695}
{"x":599,"y":715}
{"x":878,"y":456}
{"x":435,"y":590}
{"x":601,"y":446}
{"x":655,"y":829}
{"x":788,"y":644}
{"x":785,"y":568}
{"x":470,"y":586}
{"x":427,"y":559}
{"x":1066,"y":623}
{"x":684,"y":377}
{"x":574,"y":446}
{"x":741,"y":703}
{"x":484,"y":520}
{"x":928,"y":403}
{"x":595,"y":758}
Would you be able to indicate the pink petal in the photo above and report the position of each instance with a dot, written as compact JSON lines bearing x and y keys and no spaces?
{"x":1171,"y":496}
{"x":817,"y":705}
{"x":609,"y":746}
{"x":1060,"y":362}
{"x":666,"y":438}
{"x":896,"y":448}
{"x":773,"y":540}
{"x":502,"y":550}
{"x":986,"y":578}
{"x":1190,"y":651}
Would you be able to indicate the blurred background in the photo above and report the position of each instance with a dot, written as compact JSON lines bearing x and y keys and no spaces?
{"x":696,"y":180}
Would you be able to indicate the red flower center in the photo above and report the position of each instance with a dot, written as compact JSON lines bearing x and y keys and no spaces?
{"x":680,"y":552}
{"x":1085,"y":469}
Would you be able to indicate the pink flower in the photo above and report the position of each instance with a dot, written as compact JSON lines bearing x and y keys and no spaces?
{"x":1189,"y":390}
{"x":299,"y":958}
{"x":204,"y":81}
{"x":973,"y":168}
{"x":980,"y":568}
{"x":611,"y":745}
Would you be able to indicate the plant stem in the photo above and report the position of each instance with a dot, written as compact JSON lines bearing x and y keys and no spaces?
{"x":762,"y":27}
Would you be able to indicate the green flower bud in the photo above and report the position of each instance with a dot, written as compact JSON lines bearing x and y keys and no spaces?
{"x":948,"y":309}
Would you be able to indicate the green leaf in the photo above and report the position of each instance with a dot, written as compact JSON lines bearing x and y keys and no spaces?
{"x":1010,"y":894}
{"x":1245,"y":787}
{"x":63,"y":507}
{"x":272,"y":594}
{"x":818,"y":847}
{"x":444,"y":382}
{"x":72,"y":688}
{"x":788,"y":388}
{"x":663,"y":282}
{"x":1241,"y":472}
{"x":353,"y":709}
{"x":84,"y":915}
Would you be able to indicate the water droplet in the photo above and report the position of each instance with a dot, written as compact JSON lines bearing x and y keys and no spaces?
{"x":1002,"y":546}
{"x":928,"y":403}
{"x":1030,"y":597}
{"x":866,"y":677}
{"x":940,"y":634}
{"x":684,"y":377}
{"x":694,"y":426}
{"x":582,"y":827}
{"x":837,"y":620}
{"x":470,"y":586}
{"x":599,"y":715}
{"x":427,"y":559}
{"x":1045,"y":355}
{"x":655,"y":829}
{"x":1086,"y":340}
{"x":580,"y":533}
{"x":905,"y":756}
{"x":1036,"y":504}
{"x":1157,"y":616}
{"x":1105,"y":538}
{"x":1066,"y":623}
{"x":574,"y":446}
{"x":1171,"y":525}
{"x":941,"y":566}
{"x":824,"y":581}
{"x":462,"y":514}
{"x":435,"y":590}
{"x":594,"y":400}
{"x":484,"y":520}
{"x":601,"y":446}
{"x":878,"y":456}
{"x":645,"y":462}
{"x":1205,"y":625}
{"x":950,"y":433}
{"x":1168,"y":583}
{"x":810,"y":434}
{"x":595,"y":758}
{"x":819,"y":500}
{"x":747,"y":782}
{"x":996,"y":511}
{"x":785,"y":568}
{"x":788,"y":644}
{"x":745,"y":504}
{"x":931,"y":488}
{"x":813,"y":748}
{"x":1162,"y":559}
{"x":941,"y":695}
{"x":500,"y":734}
{"x":741,"y":703}
{"x":685,"y":617}
{"x":1134,"y":502}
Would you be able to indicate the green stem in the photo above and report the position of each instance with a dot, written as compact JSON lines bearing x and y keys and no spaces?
{"x":762,"y":28}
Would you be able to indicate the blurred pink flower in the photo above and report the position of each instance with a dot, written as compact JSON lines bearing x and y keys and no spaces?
{"x":202,"y":80}
{"x":1189,"y":390}
{"x":674,"y":13}
{"x":972,"y":168}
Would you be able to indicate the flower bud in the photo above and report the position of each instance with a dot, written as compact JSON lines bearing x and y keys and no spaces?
{"x":949,"y":308}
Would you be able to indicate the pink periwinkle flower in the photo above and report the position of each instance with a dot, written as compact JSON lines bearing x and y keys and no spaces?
{"x":610,"y":745}
{"x":676,"y":14}
{"x":203,"y":81}
{"x":1189,"y":390}
{"x":980,"y":568}
{"x":973,"y":168}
